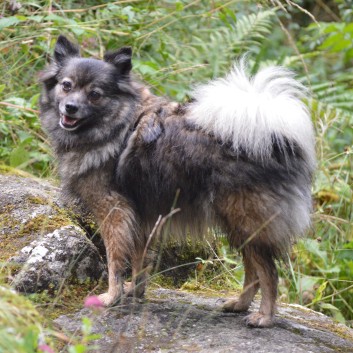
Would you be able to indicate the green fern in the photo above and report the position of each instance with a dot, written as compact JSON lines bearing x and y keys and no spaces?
{"x":251,"y":30}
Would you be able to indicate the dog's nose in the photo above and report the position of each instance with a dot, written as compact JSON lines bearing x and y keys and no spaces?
{"x":71,"y":108}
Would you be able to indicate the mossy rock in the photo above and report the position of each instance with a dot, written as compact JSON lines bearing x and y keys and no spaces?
{"x":42,"y":246}
{"x":29,"y":208}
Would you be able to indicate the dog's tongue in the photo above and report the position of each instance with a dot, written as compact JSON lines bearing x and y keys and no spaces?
{"x":69,"y":121}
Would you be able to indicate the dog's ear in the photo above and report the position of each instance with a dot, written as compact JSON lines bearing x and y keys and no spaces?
{"x":64,"y":49}
{"x":121,"y":59}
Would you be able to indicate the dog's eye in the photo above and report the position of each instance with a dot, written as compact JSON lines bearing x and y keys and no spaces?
{"x":66,"y":85}
{"x":94,"y":95}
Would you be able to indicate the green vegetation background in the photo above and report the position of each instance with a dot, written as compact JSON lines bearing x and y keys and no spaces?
{"x":180,"y":43}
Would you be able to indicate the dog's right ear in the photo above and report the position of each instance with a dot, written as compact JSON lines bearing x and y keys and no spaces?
{"x":65,"y":49}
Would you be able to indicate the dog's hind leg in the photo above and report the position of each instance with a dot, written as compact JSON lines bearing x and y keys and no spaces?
{"x":266,"y":271}
{"x":251,"y":286}
{"x":260,"y":271}
{"x":252,"y":228}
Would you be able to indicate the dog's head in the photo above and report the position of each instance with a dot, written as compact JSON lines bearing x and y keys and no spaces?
{"x":85,"y":94}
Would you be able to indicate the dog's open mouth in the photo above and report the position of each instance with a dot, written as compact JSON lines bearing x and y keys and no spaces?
{"x":69,"y":123}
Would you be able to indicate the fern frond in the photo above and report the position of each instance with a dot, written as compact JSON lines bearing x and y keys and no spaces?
{"x":252,"y":29}
{"x":336,"y":94}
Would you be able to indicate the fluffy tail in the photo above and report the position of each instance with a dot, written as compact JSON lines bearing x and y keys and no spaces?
{"x":255,"y":112}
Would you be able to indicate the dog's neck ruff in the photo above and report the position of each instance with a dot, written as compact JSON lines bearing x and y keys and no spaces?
{"x":76,"y":164}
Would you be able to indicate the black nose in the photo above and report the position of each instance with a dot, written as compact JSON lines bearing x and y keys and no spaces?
{"x":71,"y":108}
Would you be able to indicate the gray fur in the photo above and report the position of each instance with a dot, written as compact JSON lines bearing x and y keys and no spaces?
{"x":129,"y":156}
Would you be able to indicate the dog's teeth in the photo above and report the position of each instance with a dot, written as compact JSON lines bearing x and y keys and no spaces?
{"x":69,"y":121}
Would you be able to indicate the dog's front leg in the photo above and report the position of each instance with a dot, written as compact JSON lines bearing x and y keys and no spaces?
{"x":115,"y":281}
{"x":119,"y":231}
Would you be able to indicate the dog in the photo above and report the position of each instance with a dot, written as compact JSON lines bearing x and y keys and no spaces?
{"x":239,"y":156}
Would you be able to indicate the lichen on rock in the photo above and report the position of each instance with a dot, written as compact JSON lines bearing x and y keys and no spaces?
{"x":61,"y":255}
{"x":38,"y":237}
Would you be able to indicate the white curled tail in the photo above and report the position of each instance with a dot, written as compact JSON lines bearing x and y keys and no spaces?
{"x":252,"y":112}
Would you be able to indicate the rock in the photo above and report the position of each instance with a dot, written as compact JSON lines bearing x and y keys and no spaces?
{"x":63,"y":254}
{"x":172,"y":321}
{"x":37,"y":235}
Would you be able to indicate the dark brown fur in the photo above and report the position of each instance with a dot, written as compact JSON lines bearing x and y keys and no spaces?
{"x":133,"y":152}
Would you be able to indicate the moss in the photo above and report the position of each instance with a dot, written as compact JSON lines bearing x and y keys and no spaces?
{"x":37,"y":200}
{"x":327,"y":324}
{"x":66,"y":300}
{"x":9,"y":239}
{"x":178,"y":260}
{"x":20,"y":235}
{"x":17,"y":235}
{"x":7,"y":170}
{"x":158,"y":280}
{"x":193,"y":265}
{"x":19,"y":321}
{"x":44,"y":224}
{"x":191,"y":286}
{"x":39,"y":223}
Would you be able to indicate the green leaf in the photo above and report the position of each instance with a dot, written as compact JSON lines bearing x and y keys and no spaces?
{"x":349,"y":28}
{"x":331,"y":40}
{"x":332,"y":28}
{"x":179,"y":6}
{"x":306,"y":283}
{"x":93,"y":337}
{"x":9,"y":21}
{"x":346,"y":253}
{"x":335,"y":312}
{"x":18,"y":156}
{"x":25,"y":137}
{"x":129,"y":12}
{"x":35,"y":18}
{"x":204,"y":261}
{"x":147,"y":67}
{"x":313,"y":247}
{"x":78,"y":348}
{"x":320,"y":291}
{"x":34,"y":100}
{"x":30,"y":340}
{"x":86,"y":326}
{"x":55,"y":18}
{"x":333,"y":269}
{"x":341,"y":45}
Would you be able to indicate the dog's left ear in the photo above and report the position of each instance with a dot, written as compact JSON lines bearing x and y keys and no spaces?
{"x":121,"y":59}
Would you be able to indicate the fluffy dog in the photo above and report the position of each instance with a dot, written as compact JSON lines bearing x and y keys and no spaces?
{"x":240,"y":156}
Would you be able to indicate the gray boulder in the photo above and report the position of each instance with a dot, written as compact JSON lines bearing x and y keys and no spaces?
{"x":65,"y":254}
{"x":172,"y":321}
{"x":40,"y":239}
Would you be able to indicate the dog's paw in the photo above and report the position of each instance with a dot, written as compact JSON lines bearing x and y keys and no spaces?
{"x":128,"y":289}
{"x":259,"y":320}
{"x":234,"y":306}
{"x":132,"y":290}
{"x":107,"y":299}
